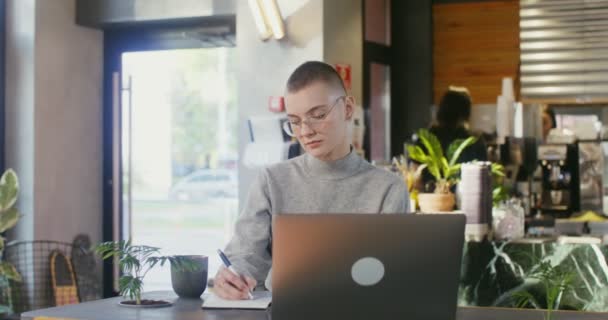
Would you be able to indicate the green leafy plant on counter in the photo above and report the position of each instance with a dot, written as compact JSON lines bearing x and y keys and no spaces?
{"x":9,"y":216}
{"x":555,"y":282}
{"x":499,"y":191}
{"x":135,"y":261}
{"x":444,"y":168}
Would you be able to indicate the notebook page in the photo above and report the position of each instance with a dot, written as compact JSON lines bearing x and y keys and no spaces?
{"x":261,"y":300}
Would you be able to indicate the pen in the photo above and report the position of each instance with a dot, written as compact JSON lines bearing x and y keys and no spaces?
{"x":229,"y":266}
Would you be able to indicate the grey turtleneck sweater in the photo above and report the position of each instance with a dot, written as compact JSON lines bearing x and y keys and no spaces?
{"x":308,"y":185}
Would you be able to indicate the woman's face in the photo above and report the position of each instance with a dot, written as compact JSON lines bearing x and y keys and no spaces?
{"x":327,"y":139}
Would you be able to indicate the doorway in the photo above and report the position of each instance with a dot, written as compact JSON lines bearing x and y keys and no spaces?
{"x":170,"y":143}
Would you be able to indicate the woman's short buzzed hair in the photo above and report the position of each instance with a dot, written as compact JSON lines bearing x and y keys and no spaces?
{"x":313,"y":71}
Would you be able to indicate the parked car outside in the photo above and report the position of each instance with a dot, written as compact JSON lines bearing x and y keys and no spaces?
{"x":203,"y":184}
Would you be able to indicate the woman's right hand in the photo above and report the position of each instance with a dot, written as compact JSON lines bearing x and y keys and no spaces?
{"x":228,"y":285}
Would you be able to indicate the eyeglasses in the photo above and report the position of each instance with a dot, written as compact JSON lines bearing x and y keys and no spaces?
{"x":312,"y":121}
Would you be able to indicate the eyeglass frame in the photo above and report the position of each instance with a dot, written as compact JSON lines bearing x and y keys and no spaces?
{"x":310,"y":121}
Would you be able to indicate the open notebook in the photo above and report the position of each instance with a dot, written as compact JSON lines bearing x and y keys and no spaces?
{"x":261,"y":300}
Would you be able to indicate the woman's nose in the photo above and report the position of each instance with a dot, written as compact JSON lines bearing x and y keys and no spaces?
{"x":306,"y":130}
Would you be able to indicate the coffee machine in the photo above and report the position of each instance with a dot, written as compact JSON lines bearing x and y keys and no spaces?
{"x":560,"y":195}
{"x":519,"y":158}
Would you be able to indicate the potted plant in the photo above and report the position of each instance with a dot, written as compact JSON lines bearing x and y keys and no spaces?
{"x":409,"y":174}
{"x":9,"y":215}
{"x":135,"y":261}
{"x":443,"y":168}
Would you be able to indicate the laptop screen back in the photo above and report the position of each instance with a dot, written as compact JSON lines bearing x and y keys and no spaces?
{"x":366,"y":266}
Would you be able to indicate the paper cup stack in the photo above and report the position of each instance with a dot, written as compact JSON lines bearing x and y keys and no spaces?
{"x":475,"y":194}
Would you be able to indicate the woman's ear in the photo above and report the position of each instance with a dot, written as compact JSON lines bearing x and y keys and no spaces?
{"x":349,"y":103}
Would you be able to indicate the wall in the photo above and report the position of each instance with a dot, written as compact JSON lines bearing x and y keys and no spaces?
{"x":68,"y":124}
{"x":263,"y":67}
{"x":343,"y":39}
{"x":54,"y":132}
{"x":475,"y":44}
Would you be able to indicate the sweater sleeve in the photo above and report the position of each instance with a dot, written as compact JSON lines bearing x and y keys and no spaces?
{"x":248,"y":249}
{"x":396,"y":199}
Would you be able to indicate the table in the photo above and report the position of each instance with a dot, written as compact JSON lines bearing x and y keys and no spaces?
{"x":190,"y":309}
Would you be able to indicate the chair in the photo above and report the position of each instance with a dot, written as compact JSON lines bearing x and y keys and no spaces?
{"x":33,"y":261}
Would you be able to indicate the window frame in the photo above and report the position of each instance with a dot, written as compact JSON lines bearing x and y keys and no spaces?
{"x":2,"y":84}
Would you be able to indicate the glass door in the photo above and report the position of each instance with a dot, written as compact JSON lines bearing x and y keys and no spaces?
{"x":179,"y":153}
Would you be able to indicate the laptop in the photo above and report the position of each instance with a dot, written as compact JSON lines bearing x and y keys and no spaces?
{"x":366,"y":266}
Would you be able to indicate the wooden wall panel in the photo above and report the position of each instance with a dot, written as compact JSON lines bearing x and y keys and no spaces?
{"x":475,"y":45}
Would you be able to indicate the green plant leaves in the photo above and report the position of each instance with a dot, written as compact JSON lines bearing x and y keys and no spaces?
{"x":555,"y":281}
{"x":497,"y":169}
{"x":130,"y":286}
{"x":155,"y":260}
{"x":525,"y":298}
{"x":443,"y":169}
{"x":456,"y":148}
{"x":433,"y":154}
{"x":8,"y":219}
{"x":108,"y":249}
{"x":9,"y":189}
{"x":129,"y":263}
{"x":183,"y":263}
{"x":431,"y":143}
{"x":499,"y":191}
{"x":452,"y":148}
{"x":417,"y":154}
{"x":9,"y":271}
{"x":135,"y":261}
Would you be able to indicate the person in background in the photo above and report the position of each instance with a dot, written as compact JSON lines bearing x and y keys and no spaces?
{"x":329,"y":178}
{"x":452,"y":123}
{"x":549,"y":122}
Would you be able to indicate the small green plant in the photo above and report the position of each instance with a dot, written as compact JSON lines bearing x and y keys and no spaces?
{"x":499,"y":191}
{"x":135,"y":261}
{"x":555,"y":282}
{"x":9,"y":216}
{"x":444,"y":168}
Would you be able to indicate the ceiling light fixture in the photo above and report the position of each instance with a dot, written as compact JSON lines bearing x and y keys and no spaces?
{"x":268,"y":18}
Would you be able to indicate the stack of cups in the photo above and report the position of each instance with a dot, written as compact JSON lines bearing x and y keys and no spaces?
{"x":475,"y":193}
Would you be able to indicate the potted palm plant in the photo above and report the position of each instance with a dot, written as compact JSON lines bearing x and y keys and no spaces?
{"x":444,"y":168}
{"x":135,"y":261}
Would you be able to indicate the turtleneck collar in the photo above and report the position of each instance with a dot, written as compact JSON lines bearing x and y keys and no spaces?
{"x":338,"y":169}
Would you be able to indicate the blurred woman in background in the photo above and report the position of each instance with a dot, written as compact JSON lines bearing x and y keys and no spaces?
{"x":549,"y":121}
{"x":452,"y":123}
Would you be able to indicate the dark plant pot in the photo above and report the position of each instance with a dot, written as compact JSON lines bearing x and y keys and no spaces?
{"x":190,"y":284}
